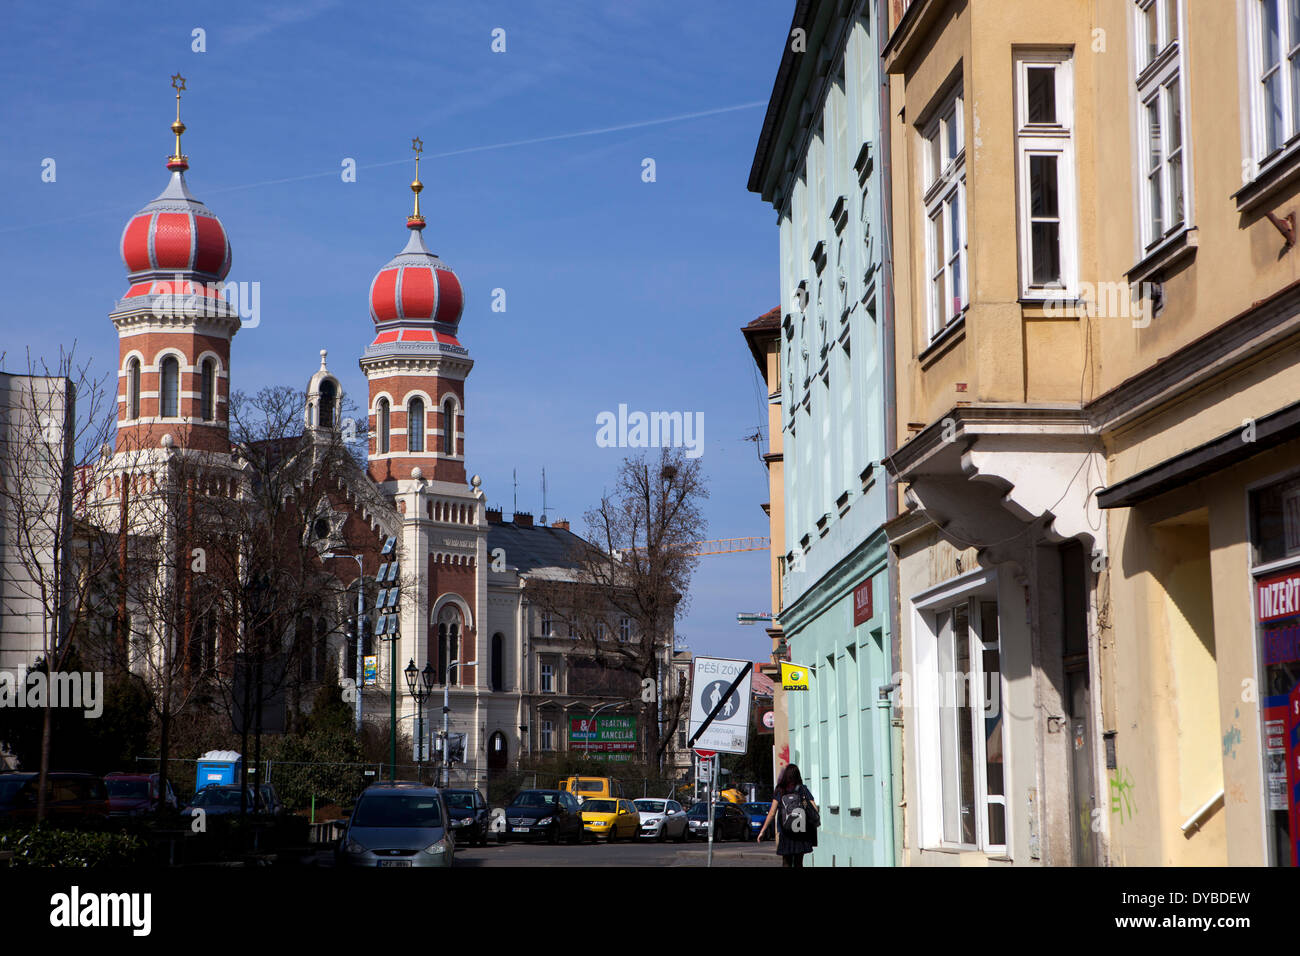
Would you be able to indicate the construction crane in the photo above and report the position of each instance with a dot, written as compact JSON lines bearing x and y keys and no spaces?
{"x":729,"y":545}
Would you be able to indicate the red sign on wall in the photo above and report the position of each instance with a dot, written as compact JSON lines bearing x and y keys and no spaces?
{"x":1278,"y":596}
{"x":862,"y":603}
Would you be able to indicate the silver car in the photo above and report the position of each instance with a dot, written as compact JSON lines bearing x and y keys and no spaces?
{"x":661,"y":819}
{"x":398,"y":825}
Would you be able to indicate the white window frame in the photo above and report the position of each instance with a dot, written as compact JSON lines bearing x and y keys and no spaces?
{"x":624,"y":629}
{"x":929,"y":690}
{"x":1054,"y":140}
{"x":944,"y":176}
{"x":547,"y":624}
{"x":546,"y":677}
{"x":546,"y":736}
{"x":1154,"y":77}
{"x":1289,"y":86}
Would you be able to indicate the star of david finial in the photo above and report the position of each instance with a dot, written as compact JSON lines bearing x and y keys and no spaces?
{"x":417,"y":144}
{"x":178,"y":82}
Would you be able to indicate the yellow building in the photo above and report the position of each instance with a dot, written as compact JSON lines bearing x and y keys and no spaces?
{"x":1097,"y":319}
{"x":763,"y":336}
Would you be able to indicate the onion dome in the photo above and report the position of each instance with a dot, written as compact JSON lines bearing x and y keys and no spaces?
{"x":416,"y":287}
{"x":175,"y":233}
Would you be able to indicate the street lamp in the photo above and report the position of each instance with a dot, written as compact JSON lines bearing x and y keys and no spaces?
{"x":361,"y":606}
{"x":420,"y":684}
{"x":446,"y":716}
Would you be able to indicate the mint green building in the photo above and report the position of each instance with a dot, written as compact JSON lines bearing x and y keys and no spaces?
{"x":819,"y":163}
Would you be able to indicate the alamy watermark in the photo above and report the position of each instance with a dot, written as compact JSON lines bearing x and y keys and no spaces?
{"x":80,"y":690}
{"x":208,"y":299}
{"x":1110,"y":300}
{"x":651,"y":430}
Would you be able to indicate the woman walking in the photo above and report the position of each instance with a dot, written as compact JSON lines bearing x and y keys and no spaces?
{"x":796,"y":815}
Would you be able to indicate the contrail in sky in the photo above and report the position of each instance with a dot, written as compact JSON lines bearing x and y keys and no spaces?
{"x":641,"y":124}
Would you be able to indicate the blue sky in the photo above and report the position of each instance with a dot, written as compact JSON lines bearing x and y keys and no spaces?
{"x":617,"y":290}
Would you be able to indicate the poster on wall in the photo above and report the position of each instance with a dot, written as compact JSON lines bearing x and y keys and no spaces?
{"x":1277,"y":611}
{"x":1275,"y":731}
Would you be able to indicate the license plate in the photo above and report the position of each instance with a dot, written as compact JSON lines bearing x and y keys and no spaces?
{"x":519,"y":829}
{"x":394,"y":862}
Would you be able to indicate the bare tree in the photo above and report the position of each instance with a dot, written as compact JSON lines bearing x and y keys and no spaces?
{"x":635,"y":563}
{"x":56,"y":420}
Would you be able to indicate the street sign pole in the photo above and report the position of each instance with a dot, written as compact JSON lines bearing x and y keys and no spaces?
{"x":713,"y":776}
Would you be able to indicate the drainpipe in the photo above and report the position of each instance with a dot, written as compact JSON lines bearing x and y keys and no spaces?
{"x":893,"y":737}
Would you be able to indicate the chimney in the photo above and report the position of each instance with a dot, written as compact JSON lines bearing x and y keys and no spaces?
{"x":562,"y":525}
{"x":494,"y":515}
{"x":524,"y":519}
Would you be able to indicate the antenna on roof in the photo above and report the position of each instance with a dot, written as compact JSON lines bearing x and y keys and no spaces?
{"x":543,"y":496}
{"x":514,"y":472}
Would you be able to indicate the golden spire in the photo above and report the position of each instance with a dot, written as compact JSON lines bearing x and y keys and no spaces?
{"x":178,"y":161}
{"x":415,"y":220}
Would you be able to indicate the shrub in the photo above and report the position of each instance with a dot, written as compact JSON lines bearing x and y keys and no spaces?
{"x":45,"y":846}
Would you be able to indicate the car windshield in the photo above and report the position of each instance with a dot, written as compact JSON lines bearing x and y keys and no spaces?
{"x":212,"y":797}
{"x":129,"y":789}
{"x":9,"y":788}
{"x":699,"y":810}
{"x":415,"y":811}
{"x":650,"y":806}
{"x":599,"y":806}
{"x":756,"y":808}
{"x":534,"y":798}
{"x":591,"y":786}
{"x":458,"y":799}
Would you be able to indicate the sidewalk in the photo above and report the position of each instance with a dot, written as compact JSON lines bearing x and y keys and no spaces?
{"x":729,"y":856}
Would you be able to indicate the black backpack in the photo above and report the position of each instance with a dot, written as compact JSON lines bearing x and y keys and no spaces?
{"x":791,"y":805}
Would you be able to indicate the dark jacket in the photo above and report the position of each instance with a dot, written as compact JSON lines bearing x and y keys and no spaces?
{"x":790,"y":844}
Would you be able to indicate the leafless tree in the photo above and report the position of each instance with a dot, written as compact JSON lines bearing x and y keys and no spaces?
{"x":636,"y":563}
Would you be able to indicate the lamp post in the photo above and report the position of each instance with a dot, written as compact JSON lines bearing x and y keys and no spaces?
{"x":361,"y":607}
{"x":446,"y":718}
{"x":420,"y":684}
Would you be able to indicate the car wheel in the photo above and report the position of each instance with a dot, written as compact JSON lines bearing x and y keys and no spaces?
{"x":663,"y":833}
{"x":681,"y":837}
{"x":553,"y":834}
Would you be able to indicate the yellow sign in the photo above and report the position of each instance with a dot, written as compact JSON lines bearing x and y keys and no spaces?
{"x":793,"y":676}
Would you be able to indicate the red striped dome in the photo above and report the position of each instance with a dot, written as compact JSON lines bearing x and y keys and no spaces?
{"x":176,"y":233}
{"x":416,"y":286}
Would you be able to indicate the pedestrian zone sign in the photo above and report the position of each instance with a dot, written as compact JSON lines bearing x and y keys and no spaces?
{"x":729,"y":731}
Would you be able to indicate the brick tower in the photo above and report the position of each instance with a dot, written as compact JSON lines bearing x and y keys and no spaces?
{"x":174,"y":328}
{"x":416,"y":369}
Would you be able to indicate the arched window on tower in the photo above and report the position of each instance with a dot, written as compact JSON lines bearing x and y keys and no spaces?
{"x":448,"y":643}
{"x":382,"y":417}
{"x":169,"y":387}
{"x":133,"y":388}
{"x":328,"y":398}
{"x":208,"y":391}
{"x":449,"y":427}
{"x":415,"y":425}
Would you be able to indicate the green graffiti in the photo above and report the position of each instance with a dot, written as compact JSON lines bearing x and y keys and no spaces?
{"x":1121,"y":795}
{"x":1230,"y":741}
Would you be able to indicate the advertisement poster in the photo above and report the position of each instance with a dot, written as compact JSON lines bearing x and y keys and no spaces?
{"x":1293,"y":771}
{"x":610,"y":738}
{"x":1275,"y":731}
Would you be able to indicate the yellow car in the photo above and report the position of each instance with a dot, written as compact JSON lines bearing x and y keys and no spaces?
{"x":612,"y":819}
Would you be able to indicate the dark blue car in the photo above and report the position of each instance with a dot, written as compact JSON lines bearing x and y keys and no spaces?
{"x":757,"y":813}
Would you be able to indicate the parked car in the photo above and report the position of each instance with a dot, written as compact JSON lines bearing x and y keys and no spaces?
{"x":584,"y":788}
{"x":137,"y":794}
{"x":757,"y":813}
{"x":270,"y":801}
{"x":661,"y":819}
{"x":218,"y":799}
{"x":612,"y":819}
{"x":398,"y":825}
{"x":729,"y":822}
{"x":68,"y":796}
{"x":469,"y":815}
{"x":549,"y":814}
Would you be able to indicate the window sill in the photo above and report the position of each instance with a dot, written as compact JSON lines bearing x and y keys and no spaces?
{"x":952,"y":333}
{"x":1164,"y":255}
{"x":1281,"y":170}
